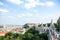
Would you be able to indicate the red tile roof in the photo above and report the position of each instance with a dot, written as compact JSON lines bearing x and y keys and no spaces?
{"x":3,"y":33}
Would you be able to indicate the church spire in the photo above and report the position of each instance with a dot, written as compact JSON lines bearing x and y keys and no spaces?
{"x":46,"y":25}
{"x":51,"y":21}
{"x":52,"y":25}
{"x":41,"y":24}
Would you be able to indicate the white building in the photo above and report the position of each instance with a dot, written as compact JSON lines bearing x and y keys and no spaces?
{"x":42,"y":29}
{"x":52,"y":33}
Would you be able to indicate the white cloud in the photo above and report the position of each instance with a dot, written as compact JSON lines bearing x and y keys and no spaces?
{"x":15,"y":1}
{"x":8,"y":16}
{"x":34,"y":3}
{"x":24,"y":15}
{"x":31,"y":3}
{"x":29,"y":14}
{"x":16,"y":16}
{"x":3,"y":10}
{"x":20,"y":15}
{"x":1,"y":3}
{"x":27,"y":6}
{"x":42,"y":4}
{"x":49,"y":3}
{"x":38,"y":17}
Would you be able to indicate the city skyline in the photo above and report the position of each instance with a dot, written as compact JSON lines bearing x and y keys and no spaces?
{"x":29,"y":11}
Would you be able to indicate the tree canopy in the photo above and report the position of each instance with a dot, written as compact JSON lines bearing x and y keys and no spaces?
{"x":58,"y":24}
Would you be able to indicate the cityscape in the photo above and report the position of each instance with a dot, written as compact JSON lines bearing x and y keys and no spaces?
{"x":50,"y":30}
{"x":29,"y":19}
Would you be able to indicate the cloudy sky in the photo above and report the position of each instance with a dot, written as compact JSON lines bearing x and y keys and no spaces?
{"x":29,"y":11}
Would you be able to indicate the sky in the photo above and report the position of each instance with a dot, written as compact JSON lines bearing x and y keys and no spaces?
{"x":18,"y":12}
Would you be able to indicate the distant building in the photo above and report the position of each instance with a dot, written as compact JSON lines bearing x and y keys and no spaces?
{"x":19,"y":30}
{"x":52,"y":33}
{"x":3,"y":33}
{"x":32,"y":24}
{"x":11,"y":28}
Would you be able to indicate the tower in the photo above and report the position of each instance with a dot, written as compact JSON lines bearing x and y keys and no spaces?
{"x":52,"y":32}
{"x":51,"y":21}
{"x":52,"y":25}
{"x":46,"y":25}
{"x":42,"y":25}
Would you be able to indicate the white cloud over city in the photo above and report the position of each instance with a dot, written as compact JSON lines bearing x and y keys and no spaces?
{"x":50,"y":3}
{"x":18,"y":2}
{"x":31,"y":3}
{"x":34,"y":3}
{"x":26,"y":11}
{"x":1,"y":3}
{"x":3,"y":10}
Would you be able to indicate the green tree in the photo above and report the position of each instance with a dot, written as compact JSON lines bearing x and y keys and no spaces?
{"x":48,"y":24}
{"x":20,"y":36}
{"x":30,"y":35}
{"x":32,"y":31}
{"x":6,"y":38}
{"x":58,"y":23}
{"x":44,"y":36}
{"x":26,"y":26}
{"x":9,"y":36}
{"x":1,"y":37}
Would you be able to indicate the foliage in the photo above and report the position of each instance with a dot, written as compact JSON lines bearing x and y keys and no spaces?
{"x":33,"y":31}
{"x":34,"y":35}
{"x":26,"y":26}
{"x":58,"y":24}
{"x":1,"y":37}
{"x":48,"y":24}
